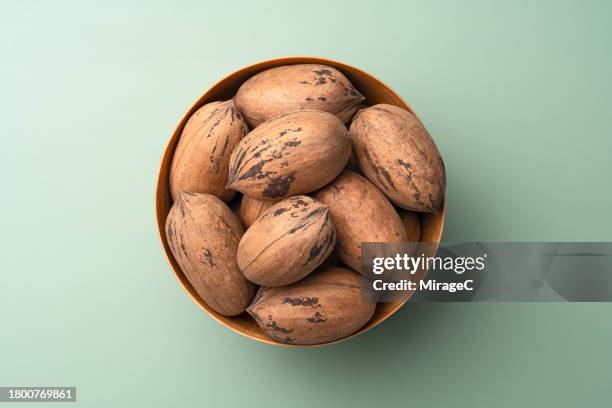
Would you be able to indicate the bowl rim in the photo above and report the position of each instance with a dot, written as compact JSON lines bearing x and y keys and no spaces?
{"x":266,"y":64}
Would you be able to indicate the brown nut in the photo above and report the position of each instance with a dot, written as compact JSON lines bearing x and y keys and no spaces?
{"x":290,"y":240}
{"x":412,"y":225}
{"x":295,"y":87}
{"x":397,"y":154}
{"x":325,"y":306}
{"x":203,"y":235}
{"x":292,"y":154}
{"x":361,"y":213}
{"x":252,"y":208}
{"x":201,"y":159}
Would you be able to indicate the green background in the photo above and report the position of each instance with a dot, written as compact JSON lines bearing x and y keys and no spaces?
{"x":517,"y":94}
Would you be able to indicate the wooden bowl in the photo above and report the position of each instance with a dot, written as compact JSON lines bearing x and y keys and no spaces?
{"x":375,"y":92}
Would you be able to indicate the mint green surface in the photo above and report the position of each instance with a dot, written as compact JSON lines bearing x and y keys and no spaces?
{"x":517,"y":94}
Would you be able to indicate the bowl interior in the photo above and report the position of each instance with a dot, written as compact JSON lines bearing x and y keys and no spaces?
{"x":375,"y":92}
